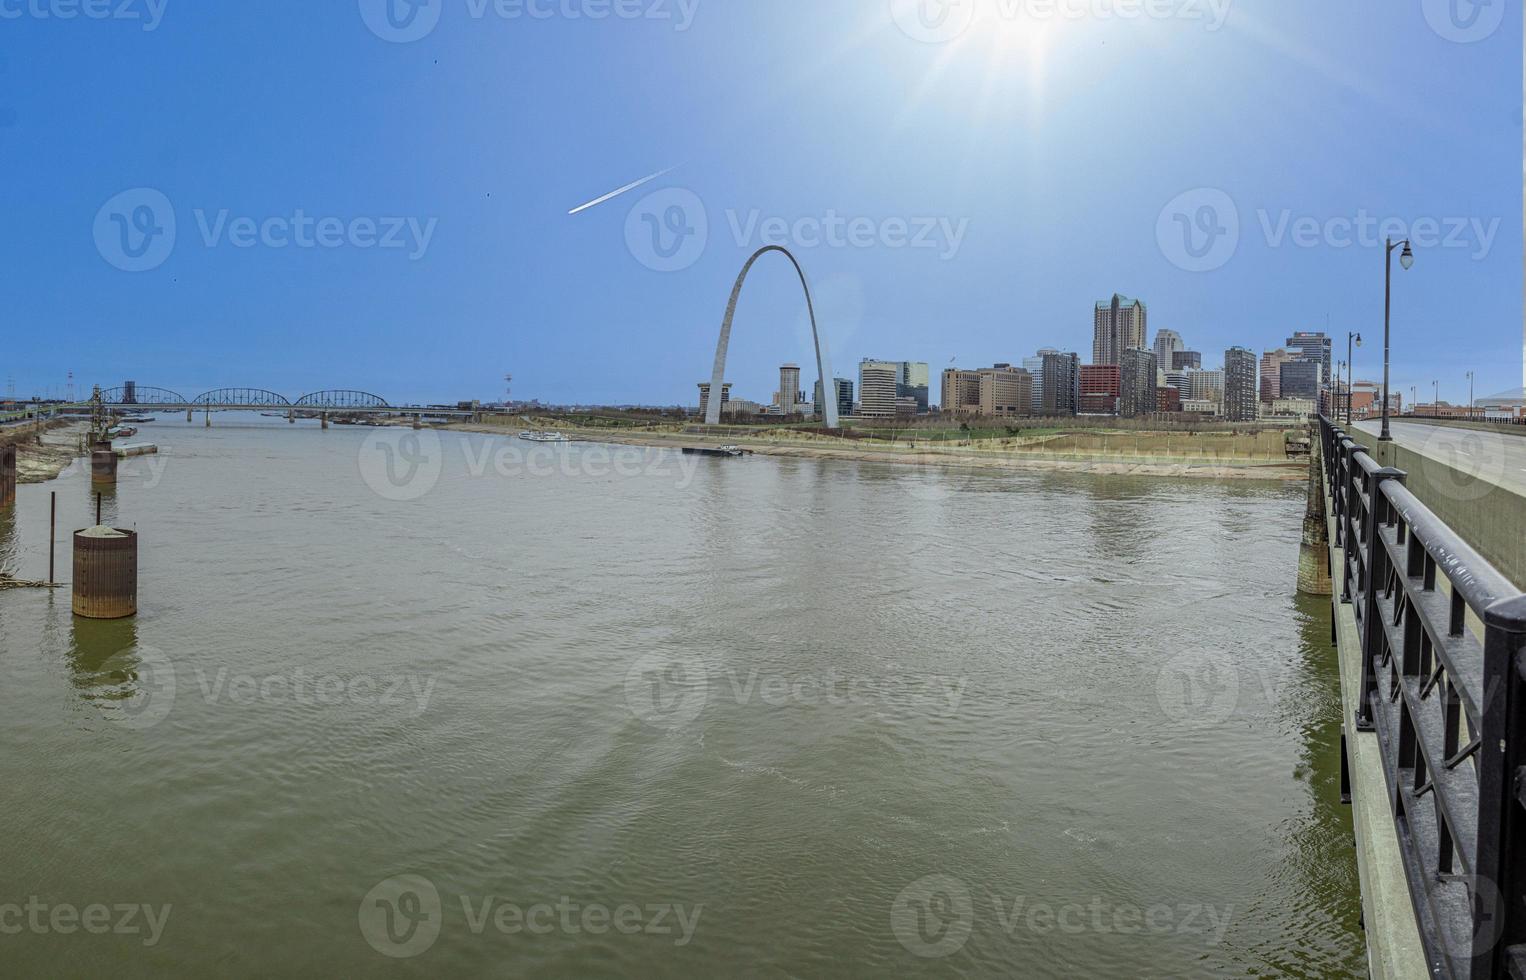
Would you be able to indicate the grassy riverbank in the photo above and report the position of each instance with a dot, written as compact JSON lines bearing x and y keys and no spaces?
{"x":1209,"y":455}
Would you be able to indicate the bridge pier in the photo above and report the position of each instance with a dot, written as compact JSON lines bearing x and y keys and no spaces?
{"x":208,"y":415}
{"x":1314,"y":552}
{"x":188,"y":415}
{"x":324,"y":419}
{"x":291,"y":416}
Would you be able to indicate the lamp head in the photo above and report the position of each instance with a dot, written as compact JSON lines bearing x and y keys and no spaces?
{"x":1359,"y":340}
{"x":1407,"y":257}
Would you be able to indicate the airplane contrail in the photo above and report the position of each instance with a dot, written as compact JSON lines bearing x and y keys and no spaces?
{"x":616,"y":193}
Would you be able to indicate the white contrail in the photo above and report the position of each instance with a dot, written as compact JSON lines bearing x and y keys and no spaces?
{"x":628,"y":187}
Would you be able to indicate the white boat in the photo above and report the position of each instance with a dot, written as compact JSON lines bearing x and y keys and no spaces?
{"x":529,"y":436}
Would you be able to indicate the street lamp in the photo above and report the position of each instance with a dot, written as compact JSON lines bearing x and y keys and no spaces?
{"x":1414,"y":401}
{"x":1470,"y":394}
{"x":1436,"y":399}
{"x":1352,"y":337}
{"x":1407,"y":260}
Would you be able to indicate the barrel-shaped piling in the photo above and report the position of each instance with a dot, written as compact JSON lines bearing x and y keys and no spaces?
{"x":7,"y":475}
{"x":103,"y":462}
{"x":105,"y":573}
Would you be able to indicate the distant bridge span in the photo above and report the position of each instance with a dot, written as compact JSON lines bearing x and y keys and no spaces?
{"x":341,"y":400}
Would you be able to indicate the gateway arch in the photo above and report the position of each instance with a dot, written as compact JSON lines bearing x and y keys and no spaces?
{"x":823,"y":359}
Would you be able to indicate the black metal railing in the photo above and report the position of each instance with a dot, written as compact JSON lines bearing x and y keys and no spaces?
{"x":1443,"y":687}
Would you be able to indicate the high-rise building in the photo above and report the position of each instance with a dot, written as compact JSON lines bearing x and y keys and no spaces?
{"x":789,"y":390}
{"x":1062,"y":384}
{"x":1313,"y":347}
{"x":961,"y":392}
{"x":1137,"y":388}
{"x":1240,"y":394}
{"x":912,"y":382}
{"x":1099,"y":384}
{"x":1205,"y":386}
{"x":1035,"y":366}
{"x":1167,"y":344}
{"x":1183,"y":359}
{"x":1299,"y":378}
{"x":843,"y":388}
{"x":878,"y":389}
{"x":1271,"y":372}
{"x":1005,"y":391}
{"x":704,"y":397}
{"x":1117,"y":325}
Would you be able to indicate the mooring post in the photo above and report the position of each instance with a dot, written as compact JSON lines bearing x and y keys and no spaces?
{"x":97,"y":508}
{"x":52,"y":530}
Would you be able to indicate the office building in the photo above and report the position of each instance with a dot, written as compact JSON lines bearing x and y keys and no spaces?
{"x":1035,"y":366}
{"x":879,"y":387}
{"x":1062,"y":384}
{"x":961,"y":392}
{"x":1168,"y":343}
{"x":1271,"y":372}
{"x":1137,"y":391}
{"x":843,"y":388}
{"x":1117,"y":325}
{"x":1183,"y":360}
{"x":912,"y":382}
{"x":704,"y":396}
{"x":1169,"y":400}
{"x":788,"y":396}
{"x":1299,"y":379}
{"x":1313,"y":347}
{"x":1241,"y":398}
{"x":1005,"y":391}
{"x":1205,"y":386}
{"x":1099,"y":385}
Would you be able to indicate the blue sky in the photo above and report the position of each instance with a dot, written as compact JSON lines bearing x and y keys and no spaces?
{"x":962,"y":197}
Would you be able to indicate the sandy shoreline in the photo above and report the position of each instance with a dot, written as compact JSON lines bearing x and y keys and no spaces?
{"x":40,"y":462}
{"x":963,"y":458}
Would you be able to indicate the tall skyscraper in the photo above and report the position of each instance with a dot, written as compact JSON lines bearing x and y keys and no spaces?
{"x":1137,"y":389}
{"x":1184,"y":359}
{"x":1299,"y":378}
{"x":1117,"y":325}
{"x":1167,"y":344}
{"x":789,"y":389}
{"x":1313,"y":347}
{"x":1062,"y":384}
{"x":1240,"y":395}
{"x":913,"y":382}
{"x":878,"y":387}
{"x":1035,"y":366}
{"x":1271,"y":372}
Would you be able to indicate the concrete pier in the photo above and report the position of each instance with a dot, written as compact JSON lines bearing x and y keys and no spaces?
{"x":7,"y":475}
{"x":1313,"y":553}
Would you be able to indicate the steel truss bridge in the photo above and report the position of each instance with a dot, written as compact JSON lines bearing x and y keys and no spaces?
{"x":333,"y":401}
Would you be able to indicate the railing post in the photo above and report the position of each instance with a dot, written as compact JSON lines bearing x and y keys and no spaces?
{"x":1501,"y":864}
{"x":1350,"y":491}
{"x":1374,"y":574}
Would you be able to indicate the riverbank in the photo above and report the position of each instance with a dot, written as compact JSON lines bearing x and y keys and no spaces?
{"x":973,"y":456}
{"x":41,"y":460}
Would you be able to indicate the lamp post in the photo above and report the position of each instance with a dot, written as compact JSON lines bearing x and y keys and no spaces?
{"x":1470,"y":394}
{"x":1414,"y":401}
{"x":1436,"y":399}
{"x":1352,"y":337}
{"x":1407,"y":260}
